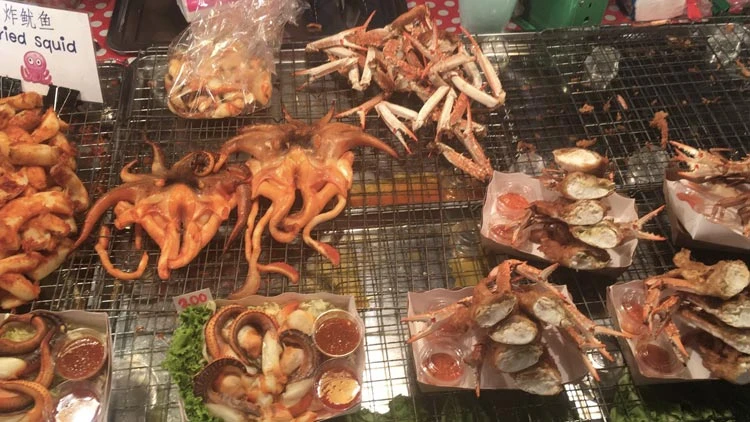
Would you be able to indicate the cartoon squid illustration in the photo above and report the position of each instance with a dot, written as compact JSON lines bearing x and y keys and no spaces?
{"x":34,"y":68}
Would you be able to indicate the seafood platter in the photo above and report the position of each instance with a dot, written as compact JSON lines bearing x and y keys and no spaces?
{"x":690,"y":323}
{"x":289,"y":357}
{"x":512,"y":335}
{"x":570,"y":215}
{"x":708,"y":200}
{"x":55,"y":366}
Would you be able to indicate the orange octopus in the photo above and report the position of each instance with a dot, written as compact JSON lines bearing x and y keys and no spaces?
{"x":180,"y":208}
{"x":314,"y":160}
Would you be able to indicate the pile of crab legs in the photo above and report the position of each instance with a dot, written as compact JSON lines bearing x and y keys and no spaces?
{"x":720,"y":184}
{"x":712,"y":298}
{"x":411,"y":55}
{"x":508,"y":317}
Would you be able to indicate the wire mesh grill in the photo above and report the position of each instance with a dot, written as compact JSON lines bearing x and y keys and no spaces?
{"x":412,"y":224}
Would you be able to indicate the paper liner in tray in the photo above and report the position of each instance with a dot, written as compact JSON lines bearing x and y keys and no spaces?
{"x":693,"y":229}
{"x":346,"y":303}
{"x":621,"y":209}
{"x":693,"y":370}
{"x":568,"y":359}
{"x":97,"y":321}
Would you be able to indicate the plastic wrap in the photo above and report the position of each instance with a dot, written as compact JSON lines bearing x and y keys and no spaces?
{"x":221,"y":65}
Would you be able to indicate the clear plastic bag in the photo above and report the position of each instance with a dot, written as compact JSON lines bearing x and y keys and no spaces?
{"x":221,"y":65}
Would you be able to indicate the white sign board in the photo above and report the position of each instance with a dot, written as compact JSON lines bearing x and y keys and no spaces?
{"x":43,"y":46}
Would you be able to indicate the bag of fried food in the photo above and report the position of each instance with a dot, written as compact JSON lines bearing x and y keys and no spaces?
{"x":40,"y":195}
{"x":221,"y":65}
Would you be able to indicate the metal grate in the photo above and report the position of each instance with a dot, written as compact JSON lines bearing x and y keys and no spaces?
{"x":412,"y":224}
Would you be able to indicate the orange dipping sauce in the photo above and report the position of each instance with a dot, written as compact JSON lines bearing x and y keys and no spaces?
{"x":337,"y":336}
{"x":443,"y":367}
{"x":81,"y":358}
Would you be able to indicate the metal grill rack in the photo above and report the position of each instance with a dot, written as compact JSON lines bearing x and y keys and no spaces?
{"x":412,"y":224}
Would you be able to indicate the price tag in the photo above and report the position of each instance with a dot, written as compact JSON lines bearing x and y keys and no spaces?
{"x":43,"y":46}
{"x":187,"y":300}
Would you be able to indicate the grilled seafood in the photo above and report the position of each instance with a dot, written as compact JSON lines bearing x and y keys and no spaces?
{"x":580,"y":160}
{"x":608,"y":234}
{"x":711,"y":298}
{"x":578,"y":186}
{"x":259,"y":367}
{"x":508,"y":334}
{"x":718,"y":188}
{"x":411,"y":55}
{"x":180,"y":208}
{"x":578,"y":213}
{"x":708,"y":165}
{"x":40,"y":195}
{"x":543,"y":378}
{"x":312,"y":160}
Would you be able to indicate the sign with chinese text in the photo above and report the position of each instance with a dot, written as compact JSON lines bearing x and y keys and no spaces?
{"x":43,"y":46}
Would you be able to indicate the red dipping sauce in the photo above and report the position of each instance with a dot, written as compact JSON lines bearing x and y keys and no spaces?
{"x":81,"y":358}
{"x":337,"y":336}
{"x":443,"y":367}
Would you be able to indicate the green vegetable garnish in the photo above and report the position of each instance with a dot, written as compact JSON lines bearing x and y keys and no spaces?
{"x":185,"y":359}
{"x":401,"y":410}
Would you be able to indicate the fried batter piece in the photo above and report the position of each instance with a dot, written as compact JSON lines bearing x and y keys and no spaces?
{"x":40,"y":195}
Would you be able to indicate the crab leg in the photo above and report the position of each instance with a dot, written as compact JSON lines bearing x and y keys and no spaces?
{"x":424,"y":51}
{"x":476,"y":94}
{"x":341,"y":52}
{"x":340,"y":38}
{"x":489,"y":71}
{"x":445,"y":114}
{"x":362,"y":109}
{"x":366,"y":69}
{"x":462,"y":162}
{"x":451,"y":63}
{"x":472,"y":144}
{"x":395,"y":125}
{"x":318,"y":72}
{"x":428,"y":106}
{"x":438,"y":318}
{"x":354,"y":78}
{"x":401,"y":111}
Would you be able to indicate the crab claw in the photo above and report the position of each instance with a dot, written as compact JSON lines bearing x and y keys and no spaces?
{"x":641,"y":221}
{"x":702,"y":164}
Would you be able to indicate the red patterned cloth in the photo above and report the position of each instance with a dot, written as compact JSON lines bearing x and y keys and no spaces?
{"x":445,"y":13}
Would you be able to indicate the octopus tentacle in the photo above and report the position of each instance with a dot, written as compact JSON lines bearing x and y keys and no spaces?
{"x":314,"y":202}
{"x":158,"y":163}
{"x":127,"y":192}
{"x":243,"y":210}
{"x":336,"y":138}
{"x":261,"y":142}
{"x":43,"y":403}
{"x":128,"y":177}
{"x":325,"y":249}
{"x":252,"y":253}
{"x":101,"y":249}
